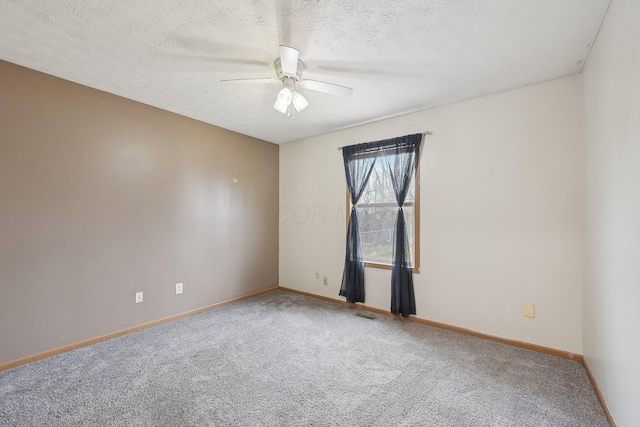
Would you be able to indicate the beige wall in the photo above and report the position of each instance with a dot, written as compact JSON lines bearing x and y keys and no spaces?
{"x":502,"y":207}
{"x":612,"y":250}
{"x":101,"y":197}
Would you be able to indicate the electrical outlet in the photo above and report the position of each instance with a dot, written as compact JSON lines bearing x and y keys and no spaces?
{"x":530,"y":310}
{"x":317,"y":274}
{"x":139,"y":297}
{"x":325,"y":281}
{"x":178,"y":288}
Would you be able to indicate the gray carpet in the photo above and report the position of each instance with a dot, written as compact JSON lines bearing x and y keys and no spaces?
{"x":282,"y":359}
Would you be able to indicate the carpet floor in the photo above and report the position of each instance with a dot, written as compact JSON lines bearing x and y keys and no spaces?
{"x":283,"y":359}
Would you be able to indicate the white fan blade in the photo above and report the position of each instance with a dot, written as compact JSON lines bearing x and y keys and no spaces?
{"x":252,"y":81}
{"x":289,"y":60}
{"x":325,"y":87}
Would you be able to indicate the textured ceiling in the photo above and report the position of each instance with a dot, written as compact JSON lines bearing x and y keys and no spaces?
{"x":398,"y":56}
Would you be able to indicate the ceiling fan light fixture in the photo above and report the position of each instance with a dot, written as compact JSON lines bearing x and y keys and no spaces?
{"x":299,"y":101}
{"x":281,"y":106}
{"x":284,"y":95}
{"x":283,"y":100}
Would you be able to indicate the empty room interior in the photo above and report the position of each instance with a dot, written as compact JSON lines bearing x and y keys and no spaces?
{"x":181,"y":240}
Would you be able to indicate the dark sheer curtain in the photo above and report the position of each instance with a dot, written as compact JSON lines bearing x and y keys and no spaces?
{"x":358,"y":164}
{"x":401,"y":160}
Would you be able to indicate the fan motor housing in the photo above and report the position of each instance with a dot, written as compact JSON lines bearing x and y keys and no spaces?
{"x":281,"y":75}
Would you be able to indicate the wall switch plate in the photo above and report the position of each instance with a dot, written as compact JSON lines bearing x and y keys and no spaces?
{"x":139,"y":297}
{"x":325,"y":281}
{"x":530,"y":310}
{"x":178,"y":288}
{"x":317,"y":274}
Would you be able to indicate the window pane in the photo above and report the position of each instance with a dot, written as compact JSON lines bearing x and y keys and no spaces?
{"x":376,"y":229}
{"x":409,"y":217}
{"x":379,"y":188}
{"x":377,"y":225}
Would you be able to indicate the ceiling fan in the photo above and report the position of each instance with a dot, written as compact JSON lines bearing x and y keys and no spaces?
{"x":289,"y":71}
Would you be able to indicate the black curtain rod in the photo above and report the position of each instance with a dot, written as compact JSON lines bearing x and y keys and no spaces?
{"x":425,"y":133}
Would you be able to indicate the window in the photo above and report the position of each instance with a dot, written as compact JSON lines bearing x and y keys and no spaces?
{"x":377,"y":212}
